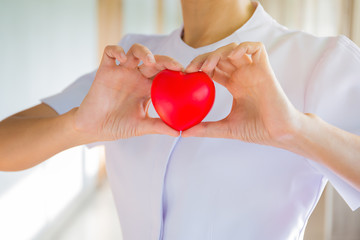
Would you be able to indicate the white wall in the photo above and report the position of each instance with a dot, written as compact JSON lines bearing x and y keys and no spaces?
{"x":140,"y":16}
{"x":44,"y":46}
{"x":172,"y":15}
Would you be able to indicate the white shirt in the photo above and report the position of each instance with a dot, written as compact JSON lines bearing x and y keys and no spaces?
{"x":201,"y":188}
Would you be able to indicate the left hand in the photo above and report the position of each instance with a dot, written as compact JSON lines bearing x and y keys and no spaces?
{"x":261,"y":112}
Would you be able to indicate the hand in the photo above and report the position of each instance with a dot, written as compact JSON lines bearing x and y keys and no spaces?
{"x":261,"y":112}
{"x":117,"y":102}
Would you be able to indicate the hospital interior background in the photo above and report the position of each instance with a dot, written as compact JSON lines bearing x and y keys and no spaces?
{"x":45,"y":45}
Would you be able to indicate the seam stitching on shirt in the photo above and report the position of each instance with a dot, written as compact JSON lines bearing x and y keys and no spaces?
{"x":163,"y":186}
{"x":349,"y":46}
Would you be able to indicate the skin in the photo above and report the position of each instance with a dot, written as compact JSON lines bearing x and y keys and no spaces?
{"x":206,"y":23}
{"x":262,"y":113}
{"x":121,"y":104}
{"x":119,"y":96}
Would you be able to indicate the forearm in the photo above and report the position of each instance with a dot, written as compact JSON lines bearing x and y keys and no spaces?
{"x":335,"y":148}
{"x":26,"y":142}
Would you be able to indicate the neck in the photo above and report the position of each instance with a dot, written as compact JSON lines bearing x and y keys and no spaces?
{"x":208,"y":21}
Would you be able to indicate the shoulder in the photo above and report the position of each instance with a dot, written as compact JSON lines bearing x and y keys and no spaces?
{"x":333,"y":91}
{"x":308,"y":44}
{"x":312,"y":55}
{"x":343,"y":48}
{"x":153,"y":42}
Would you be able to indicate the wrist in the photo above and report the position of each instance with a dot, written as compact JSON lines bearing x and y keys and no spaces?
{"x":75,"y":135}
{"x":298,"y":137}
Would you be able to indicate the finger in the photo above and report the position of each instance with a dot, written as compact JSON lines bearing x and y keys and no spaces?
{"x":148,"y":70}
{"x":226,"y":66}
{"x":207,"y":62}
{"x":162,"y":62}
{"x":221,"y":77}
{"x":112,"y":53}
{"x":196,"y":63}
{"x":217,"y":57}
{"x":222,"y":72}
{"x":157,"y":126}
{"x":210,"y":63}
{"x":241,"y":61}
{"x":209,"y":129}
{"x":139,"y":53}
{"x":255,"y":49}
{"x":165,"y":62}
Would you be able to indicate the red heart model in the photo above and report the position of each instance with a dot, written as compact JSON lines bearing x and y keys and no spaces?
{"x":182,"y":100}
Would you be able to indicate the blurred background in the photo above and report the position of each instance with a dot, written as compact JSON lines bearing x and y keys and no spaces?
{"x":46,"y":44}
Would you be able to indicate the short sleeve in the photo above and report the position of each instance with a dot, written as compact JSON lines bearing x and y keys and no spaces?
{"x":72,"y":96}
{"x":333,"y":93}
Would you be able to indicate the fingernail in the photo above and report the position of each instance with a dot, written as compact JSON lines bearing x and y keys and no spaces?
{"x":150,"y":58}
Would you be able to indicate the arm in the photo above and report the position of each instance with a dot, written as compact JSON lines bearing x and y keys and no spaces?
{"x":31,"y":136}
{"x":263,"y":114}
{"x":333,"y":147}
{"x":114,"y":108}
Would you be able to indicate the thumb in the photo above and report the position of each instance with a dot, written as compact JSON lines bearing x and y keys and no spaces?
{"x":217,"y":129}
{"x":156,"y":126}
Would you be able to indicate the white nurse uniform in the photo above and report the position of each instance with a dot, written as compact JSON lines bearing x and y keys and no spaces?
{"x":201,"y":188}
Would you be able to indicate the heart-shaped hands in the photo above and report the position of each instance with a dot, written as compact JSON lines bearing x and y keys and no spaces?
{"x":261,"y":112}
{"x":116,"y":104}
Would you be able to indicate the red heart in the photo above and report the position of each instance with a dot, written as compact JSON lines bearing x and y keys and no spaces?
{"x":182,"y":100}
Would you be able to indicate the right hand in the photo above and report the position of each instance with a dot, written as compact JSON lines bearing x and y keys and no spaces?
{"x":117,"y":102}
